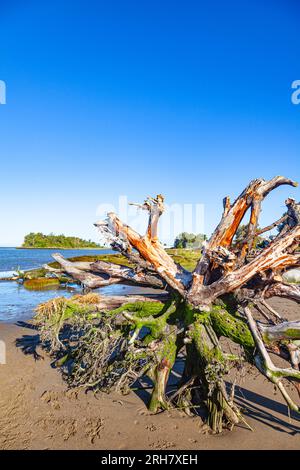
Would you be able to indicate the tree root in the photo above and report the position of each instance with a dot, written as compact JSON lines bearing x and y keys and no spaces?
{"x":107,"y":350}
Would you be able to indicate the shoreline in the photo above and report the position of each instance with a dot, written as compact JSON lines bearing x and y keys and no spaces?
{"x":55,"y":248}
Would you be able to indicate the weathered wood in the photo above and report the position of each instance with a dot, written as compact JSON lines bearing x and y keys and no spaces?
{"x":87,"y":279}
{"x":279,"y":289}
{"x":155,"y":207}
{"x":150,"y":250}
{"x":285,"y":330}
{"x":203,"y":287}
{"x":273,"y":225}
{"x":111,"y":302}
{"x":232,"y":217}
{"x":273,"y":257}
{"x":128,"y":275}
{"x":100,"y":273}
{"x":225,"y":267}
{"x":266,"y":366}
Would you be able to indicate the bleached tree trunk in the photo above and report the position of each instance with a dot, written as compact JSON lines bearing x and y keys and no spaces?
{"x":214,"y":300}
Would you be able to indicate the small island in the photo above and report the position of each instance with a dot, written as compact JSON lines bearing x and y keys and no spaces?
{"x":39,"y":240}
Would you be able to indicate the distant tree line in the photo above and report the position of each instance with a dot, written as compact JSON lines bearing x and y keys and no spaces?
{"x":193,"y":241}
{"x":189,"y":240}
{"x":39,"y":240}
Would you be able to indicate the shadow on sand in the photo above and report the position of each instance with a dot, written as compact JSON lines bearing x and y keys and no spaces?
{"x":255,"y":406}
{"x":29,"y":343}
{"x":260,"y":408}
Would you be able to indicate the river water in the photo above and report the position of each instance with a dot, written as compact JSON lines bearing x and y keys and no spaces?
{"x":17,"y":303}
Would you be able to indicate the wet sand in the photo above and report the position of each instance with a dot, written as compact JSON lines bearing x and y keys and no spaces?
{"x":37,"y":411}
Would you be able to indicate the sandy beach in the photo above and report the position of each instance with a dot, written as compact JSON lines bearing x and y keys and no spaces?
{"x":37,"y":411}
{"x":150,"y":229}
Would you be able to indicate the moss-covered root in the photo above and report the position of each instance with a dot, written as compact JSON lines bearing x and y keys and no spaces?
{"x":160,"y":378}
{"x":211,"y":367}
{"x":43,"y":283}
{"x":165,"y":359}
{"x":232,"y":327}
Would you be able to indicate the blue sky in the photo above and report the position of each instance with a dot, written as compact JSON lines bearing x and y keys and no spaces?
{"x":189,"y":99}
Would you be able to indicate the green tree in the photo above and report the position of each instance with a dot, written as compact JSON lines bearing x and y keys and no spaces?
{"x":189,"y":240}
{"x":39,"y":240}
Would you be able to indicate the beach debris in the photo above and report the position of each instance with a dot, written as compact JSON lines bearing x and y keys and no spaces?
{"x":112,"y":343}
{"x":42,"y":283}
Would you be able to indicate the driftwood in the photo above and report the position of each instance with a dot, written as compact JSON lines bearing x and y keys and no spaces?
{"x":214,"y":300}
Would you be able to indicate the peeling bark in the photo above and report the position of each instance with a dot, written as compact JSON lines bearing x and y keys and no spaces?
{"x":199,"y":314}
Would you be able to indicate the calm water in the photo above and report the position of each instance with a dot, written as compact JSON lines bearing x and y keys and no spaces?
{"x":12,"y":258}
{"x":16,"y":303}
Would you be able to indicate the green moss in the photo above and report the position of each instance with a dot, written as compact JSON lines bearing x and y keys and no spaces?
{"x":202,"y":317}
{"x":75,"y":309}
{"x":165,"y":359}
{"x":151,"y":315}
{"x":185,"y":257}
{"x":157,"y":325}
{"x":41,"y":283}
{"x":187,"y":313}
{"x":169,"y":349}
{"x":140,"y":309}
{"x":229,"y":302}
{"x":227,"y":325}
{"x":34,"y":274}
{"x":110,"y":258}
{"x":60,"y":309}
{"x":211,"y":363}
{"x":292,"y":333}
{"x":289,"y":334}
{"x":65,"y":280}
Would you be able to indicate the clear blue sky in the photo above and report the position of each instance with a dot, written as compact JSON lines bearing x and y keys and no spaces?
{"x":187,"y":98}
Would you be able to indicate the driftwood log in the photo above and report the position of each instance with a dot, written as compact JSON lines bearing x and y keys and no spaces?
{"x":216,"y":299}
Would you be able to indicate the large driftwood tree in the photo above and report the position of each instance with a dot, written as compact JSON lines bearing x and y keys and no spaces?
{"x":145,"y":336}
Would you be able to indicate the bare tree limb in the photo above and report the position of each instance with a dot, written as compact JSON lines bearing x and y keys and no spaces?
{"x":266,"y":366}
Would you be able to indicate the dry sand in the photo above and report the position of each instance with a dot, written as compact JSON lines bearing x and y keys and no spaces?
{"x":38,"y":412}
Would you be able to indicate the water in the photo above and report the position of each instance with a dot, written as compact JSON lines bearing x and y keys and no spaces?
{"x":12,"y":259}
{"x":17,"y":303}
